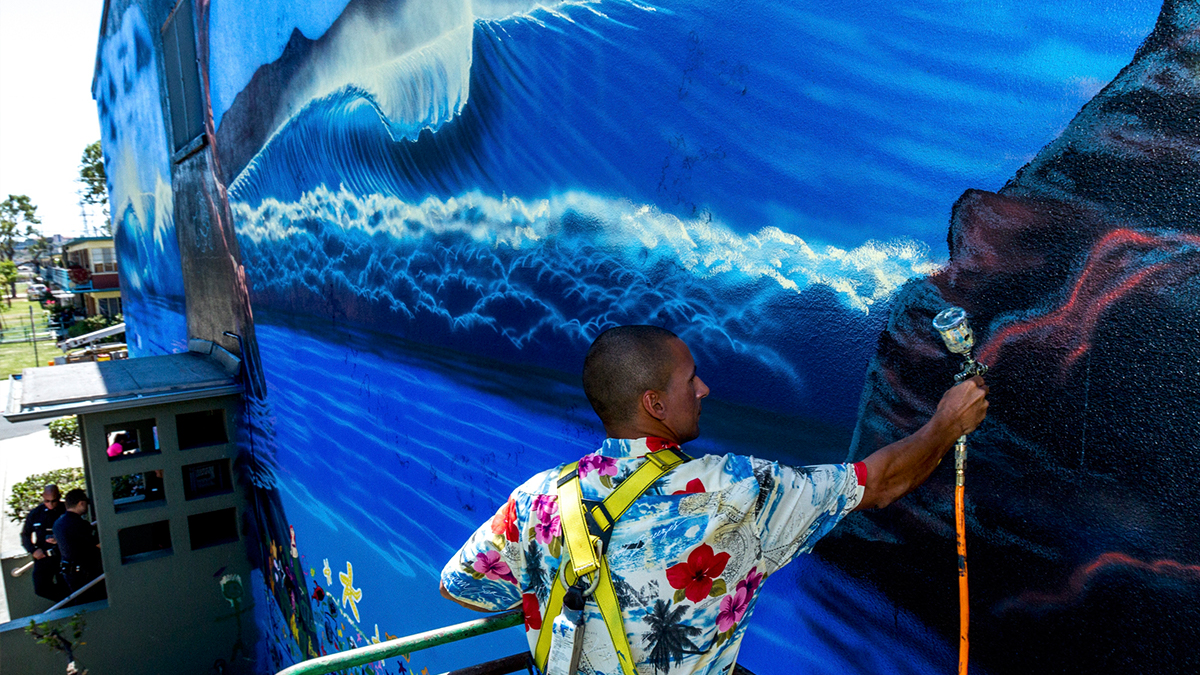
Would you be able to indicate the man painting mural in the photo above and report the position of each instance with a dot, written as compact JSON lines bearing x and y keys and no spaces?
{"x":689,"y":557}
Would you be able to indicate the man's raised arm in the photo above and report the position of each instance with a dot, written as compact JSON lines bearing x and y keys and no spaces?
{"x":897,"y":469}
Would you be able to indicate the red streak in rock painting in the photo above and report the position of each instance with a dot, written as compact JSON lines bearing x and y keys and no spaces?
{"x":1081,"y":576}
{"x":1093,"y":293}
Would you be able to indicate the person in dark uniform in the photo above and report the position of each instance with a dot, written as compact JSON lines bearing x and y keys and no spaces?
{"x":77,"y":542}
{"x":37,"y":536}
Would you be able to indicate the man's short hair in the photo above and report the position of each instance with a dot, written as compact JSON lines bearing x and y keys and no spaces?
{"x":73,"y":497}
{"x":622,"y":363}
{"x":51,"y":487}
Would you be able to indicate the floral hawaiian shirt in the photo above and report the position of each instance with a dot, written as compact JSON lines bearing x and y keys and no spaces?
{"x":687,"y":559}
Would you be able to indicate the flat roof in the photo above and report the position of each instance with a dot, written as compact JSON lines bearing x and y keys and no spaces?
{"x":88,"y":387}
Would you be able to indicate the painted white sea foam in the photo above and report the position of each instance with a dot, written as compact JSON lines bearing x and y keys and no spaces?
{"x":862,"y":276}
{"x":505,"y":10}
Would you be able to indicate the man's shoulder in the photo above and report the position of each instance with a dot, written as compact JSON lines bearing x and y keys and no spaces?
{"x":542,"y":482}
{"x":734,"y":465}
{"x":40,"y":511}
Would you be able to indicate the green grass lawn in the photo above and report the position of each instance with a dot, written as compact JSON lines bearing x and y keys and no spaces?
{"x":16,"y":353}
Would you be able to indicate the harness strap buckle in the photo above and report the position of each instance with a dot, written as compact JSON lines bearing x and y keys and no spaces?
{"x":599,"y":523}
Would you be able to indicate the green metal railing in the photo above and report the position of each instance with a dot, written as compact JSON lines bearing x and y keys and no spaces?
{"x":332,"y":663}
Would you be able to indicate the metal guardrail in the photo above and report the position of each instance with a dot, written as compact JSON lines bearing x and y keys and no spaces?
{"x":323,"y":665}
{"x":83,"y":589}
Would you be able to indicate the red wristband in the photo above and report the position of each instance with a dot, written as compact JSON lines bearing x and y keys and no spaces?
{"x":860,"y":470}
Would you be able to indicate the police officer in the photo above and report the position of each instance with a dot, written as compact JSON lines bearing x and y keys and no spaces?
{"x":77,"y":542}
{"x":37,"y":536}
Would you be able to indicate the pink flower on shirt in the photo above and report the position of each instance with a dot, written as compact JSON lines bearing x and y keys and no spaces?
{"x":606,"y":466}
{"x":751,"y":582}
{"x":546,"y":530}
{"x":548,"y":525}
{"x":489,"y":564}
{"x":545,"y":506}
{"x":733,"y":608}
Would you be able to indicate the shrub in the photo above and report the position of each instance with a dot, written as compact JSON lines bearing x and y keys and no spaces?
{"x":27,"y":494}
{"x":64,"y":431}
{"x":92,"y":324}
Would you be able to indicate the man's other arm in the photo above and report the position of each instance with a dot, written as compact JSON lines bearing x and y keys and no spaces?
{"x":897,"y":469}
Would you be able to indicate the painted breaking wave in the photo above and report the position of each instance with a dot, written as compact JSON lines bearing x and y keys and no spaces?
{"x":538,"y":280}
{"x":414,"y":58}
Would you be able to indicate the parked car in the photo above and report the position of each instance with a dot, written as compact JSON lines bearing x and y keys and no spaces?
{"x":35,"y":291}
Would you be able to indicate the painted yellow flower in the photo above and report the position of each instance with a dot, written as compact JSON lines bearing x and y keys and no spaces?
{"x":350,"y":594}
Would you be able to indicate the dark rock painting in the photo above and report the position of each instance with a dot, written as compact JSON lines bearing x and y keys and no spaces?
{"x":1081,"y":276}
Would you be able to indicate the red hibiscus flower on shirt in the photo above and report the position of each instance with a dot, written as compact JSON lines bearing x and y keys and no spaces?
{"x":654,"y":443}
{"x":505,"y":521}
{"x":694,"y":486}
{"x":695,"y":577}
{"x":533,"y":613}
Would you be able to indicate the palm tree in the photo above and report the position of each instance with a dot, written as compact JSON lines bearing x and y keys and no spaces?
{"x":669,"y":639}
{"x":537,"y":573}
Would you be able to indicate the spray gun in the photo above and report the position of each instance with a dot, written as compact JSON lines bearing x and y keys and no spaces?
{"x":951,"y":324}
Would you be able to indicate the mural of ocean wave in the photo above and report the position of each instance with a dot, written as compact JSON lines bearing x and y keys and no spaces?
{"x":699,"y":110}
{"x":536,"y":282}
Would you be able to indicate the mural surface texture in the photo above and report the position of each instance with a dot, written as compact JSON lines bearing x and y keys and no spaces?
{"x":438,"y":204}
{"x":128,"y":93}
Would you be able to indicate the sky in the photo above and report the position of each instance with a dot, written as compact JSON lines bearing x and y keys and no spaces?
{"x":47,"y":115}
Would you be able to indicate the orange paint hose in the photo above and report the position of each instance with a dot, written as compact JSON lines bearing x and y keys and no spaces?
{"x":960,"y":527}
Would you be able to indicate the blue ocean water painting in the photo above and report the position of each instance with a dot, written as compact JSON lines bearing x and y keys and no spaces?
{"x":416,"y":447}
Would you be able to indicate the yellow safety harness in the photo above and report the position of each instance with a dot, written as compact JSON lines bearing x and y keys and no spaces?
{"x":587,"y":526}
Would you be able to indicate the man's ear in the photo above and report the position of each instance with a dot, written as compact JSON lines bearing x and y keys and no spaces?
{"x":652,"y":403}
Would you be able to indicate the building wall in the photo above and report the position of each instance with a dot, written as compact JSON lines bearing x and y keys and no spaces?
{"x":433,"y":207}
{"x":130,"y":98}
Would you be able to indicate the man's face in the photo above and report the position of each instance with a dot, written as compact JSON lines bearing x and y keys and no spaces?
{"x":80,"y":508}
{"x":50,"y":499}
{"x":682,"y":397}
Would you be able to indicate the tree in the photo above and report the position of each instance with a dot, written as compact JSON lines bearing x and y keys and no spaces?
{"x":9,"y":275}
{"x":14,"y":211}
{"x":65,"y":639}
{"x":40,"y":247}
{"x":669,"y":637}
{"x":95,"y":183}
